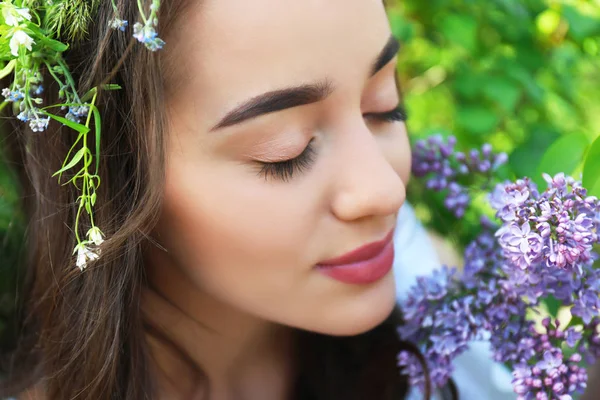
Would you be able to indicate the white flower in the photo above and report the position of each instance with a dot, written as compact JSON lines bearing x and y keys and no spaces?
{"x":13,"y":15}
{"x":119,"y":24}
{"x":95,"y":235}
{"x":20,"y":38}
{"x":84,"y":254}
{"x":39,"y":124}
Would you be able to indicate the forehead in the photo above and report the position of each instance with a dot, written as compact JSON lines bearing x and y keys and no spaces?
{"x":224,"y":49}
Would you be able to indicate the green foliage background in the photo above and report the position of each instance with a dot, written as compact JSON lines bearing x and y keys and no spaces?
{"x":523,"y":75}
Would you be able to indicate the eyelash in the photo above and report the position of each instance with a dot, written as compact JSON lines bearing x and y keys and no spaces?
{"x":285,"y":170}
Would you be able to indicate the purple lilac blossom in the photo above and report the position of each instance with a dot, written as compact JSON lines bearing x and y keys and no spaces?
{"x":543,"y":247}
{"x":437,"y":159}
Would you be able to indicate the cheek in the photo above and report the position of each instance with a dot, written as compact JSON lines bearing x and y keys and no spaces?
{"x":224,"y":218}
{"x":238,"y":238}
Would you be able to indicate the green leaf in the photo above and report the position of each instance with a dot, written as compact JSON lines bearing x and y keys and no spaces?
{"x":54,"y":45}
{"x":565,"y":155}
{"x":580,"y":26}
{"x":73,"y":125}
{"x":502,"y":91}
{"x":98,"y":128}
{"x":477,"y":119}
{"x":402,"y":29}
{"x":462,"y":30}
{"x":7,"y":68}
{"x":524,"y":160}
{"x":591,"y":169}
{"x":468,"y":83}
{"x":553,"y":305}
{"x":76,"y":158}
{"x":111,"y":86}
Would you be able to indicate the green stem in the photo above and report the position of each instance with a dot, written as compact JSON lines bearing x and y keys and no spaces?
{"x":77,"y":222}
{"x":56,"y":78}
{"x":69,"y":78}
{"x":114,"y":5}
{"x":141,"y":9}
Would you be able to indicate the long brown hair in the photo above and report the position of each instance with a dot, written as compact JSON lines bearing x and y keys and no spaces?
{"x":82,"y":334}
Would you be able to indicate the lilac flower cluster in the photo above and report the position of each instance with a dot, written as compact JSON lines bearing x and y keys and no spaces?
{"x":554,"y":375}
{"x":445,"y":323}
{"x":453,"y":171}
{"x":541,"y":248}
{"x":547,"y":241}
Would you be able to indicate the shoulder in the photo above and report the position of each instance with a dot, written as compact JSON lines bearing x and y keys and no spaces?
{"x":417,"y":251}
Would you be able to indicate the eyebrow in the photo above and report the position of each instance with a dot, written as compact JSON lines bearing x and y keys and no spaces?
{"x":391,"y":49}
{"x":283,"y":99}
{"x":277,"y":100}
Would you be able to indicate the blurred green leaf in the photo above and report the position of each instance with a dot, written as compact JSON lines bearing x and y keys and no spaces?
{"x":525,"y":159}
{"x":580,"y":26}
{"x":564,"y":155}
{"x":460,"y":29}
{"x":477,"y":119}
{"x":402,"y":29}
{"x":591,"y":169}
{"x":502,"y":91}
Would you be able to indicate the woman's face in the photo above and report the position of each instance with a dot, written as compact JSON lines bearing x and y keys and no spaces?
{"x":259,"y":82}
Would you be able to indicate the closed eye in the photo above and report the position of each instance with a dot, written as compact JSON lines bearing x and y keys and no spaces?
{"x":284,"y":170}
{"x":398,"y":114}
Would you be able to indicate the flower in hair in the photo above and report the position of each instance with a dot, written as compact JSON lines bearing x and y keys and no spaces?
{"x":95,"y":236}
{"x":84,"y":255}
{"x":119,"y":24}
{"x":42,"y":24}
{"x":20,"y":39}
{"x":13,"y":15}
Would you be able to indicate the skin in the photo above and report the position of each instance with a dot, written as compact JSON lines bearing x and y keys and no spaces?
{"x":234,"y":272}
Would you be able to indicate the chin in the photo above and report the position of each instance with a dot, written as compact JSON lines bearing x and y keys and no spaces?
{"x":359,"y":312}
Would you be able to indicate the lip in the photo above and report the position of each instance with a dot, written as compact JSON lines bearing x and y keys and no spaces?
{"x":364,"y":265}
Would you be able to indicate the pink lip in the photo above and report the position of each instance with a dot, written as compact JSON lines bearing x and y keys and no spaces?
{"x":364,"y":265}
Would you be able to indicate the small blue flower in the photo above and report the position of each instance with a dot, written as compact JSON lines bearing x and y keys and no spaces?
{"x":12,"y":95}
{"x":38,"y":124}
{"x":147,"y":35}
{"x":119,"y":24}
{"x":76,"y":113}
{"x":24,"y":116}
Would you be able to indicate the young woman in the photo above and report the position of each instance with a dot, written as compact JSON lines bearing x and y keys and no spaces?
{"x":244,"y":167}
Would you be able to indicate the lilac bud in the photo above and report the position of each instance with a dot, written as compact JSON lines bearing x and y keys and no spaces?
{"x":558,"y":387}
{"x":486,"y":150}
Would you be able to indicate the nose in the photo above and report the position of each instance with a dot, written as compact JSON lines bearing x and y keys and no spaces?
{"x":368,"y":180}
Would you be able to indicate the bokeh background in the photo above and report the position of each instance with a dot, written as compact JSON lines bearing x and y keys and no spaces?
{"x":523,"y":75}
